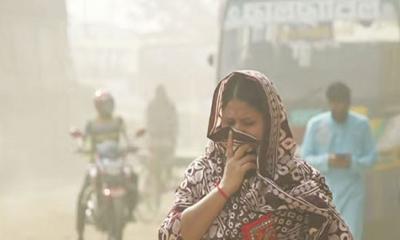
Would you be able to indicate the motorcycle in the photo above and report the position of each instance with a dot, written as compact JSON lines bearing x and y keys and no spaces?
{"x":110,"y":180}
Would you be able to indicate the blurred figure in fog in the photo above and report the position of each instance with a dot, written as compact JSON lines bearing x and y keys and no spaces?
{"x":339,"y":143}
{"x":162,"y":129}
{"x":105,"y":127}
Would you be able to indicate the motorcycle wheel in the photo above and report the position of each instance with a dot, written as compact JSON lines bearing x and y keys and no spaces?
{"x":117,"y":219}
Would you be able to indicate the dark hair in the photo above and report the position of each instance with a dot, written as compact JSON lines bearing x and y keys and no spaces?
{"x":338,"y":92}
{"x":246,"y":90}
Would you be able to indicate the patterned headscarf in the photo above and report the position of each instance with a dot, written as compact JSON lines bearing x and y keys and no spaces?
{"x":278,"y":145}
{"x":286,"y":199}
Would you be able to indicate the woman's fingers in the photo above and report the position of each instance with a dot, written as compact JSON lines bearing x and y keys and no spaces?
{"x":240,"y":161}
{"x":248,"y":158}
{"x":248,"y":166}
{"x":242,"y":151}
{"x":229,"y":145}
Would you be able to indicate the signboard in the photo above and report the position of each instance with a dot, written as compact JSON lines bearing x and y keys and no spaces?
{"x":306,"y":26}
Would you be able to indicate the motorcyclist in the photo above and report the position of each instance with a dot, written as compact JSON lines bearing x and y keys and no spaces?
{"x":105,"y":127}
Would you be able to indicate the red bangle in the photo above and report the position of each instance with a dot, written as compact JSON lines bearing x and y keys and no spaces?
{"x":222,"y":192}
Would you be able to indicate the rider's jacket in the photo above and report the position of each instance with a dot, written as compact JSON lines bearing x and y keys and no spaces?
{"x":98,"y":131}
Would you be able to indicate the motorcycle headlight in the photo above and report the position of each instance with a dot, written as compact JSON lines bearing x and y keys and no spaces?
{"x":93,"y":172}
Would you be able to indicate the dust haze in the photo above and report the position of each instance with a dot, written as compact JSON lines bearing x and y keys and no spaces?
{"x":55,"y":53}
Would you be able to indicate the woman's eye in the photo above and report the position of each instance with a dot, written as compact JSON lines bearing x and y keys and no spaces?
{"x":230,"y":122}
{"x":248,"y":123}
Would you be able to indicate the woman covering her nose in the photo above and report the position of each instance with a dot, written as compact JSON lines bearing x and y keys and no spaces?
{"x":249,"y":184}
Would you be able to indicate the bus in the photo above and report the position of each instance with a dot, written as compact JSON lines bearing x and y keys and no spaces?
{"x":304,"y":45}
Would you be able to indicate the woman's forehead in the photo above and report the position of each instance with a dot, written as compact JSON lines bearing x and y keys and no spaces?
{"x":238,"y":108}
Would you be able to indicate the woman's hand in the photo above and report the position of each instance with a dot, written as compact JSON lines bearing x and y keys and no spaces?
{"x":237,"y":165}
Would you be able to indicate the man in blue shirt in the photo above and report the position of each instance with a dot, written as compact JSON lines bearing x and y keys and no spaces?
{"x":339,"y":143}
